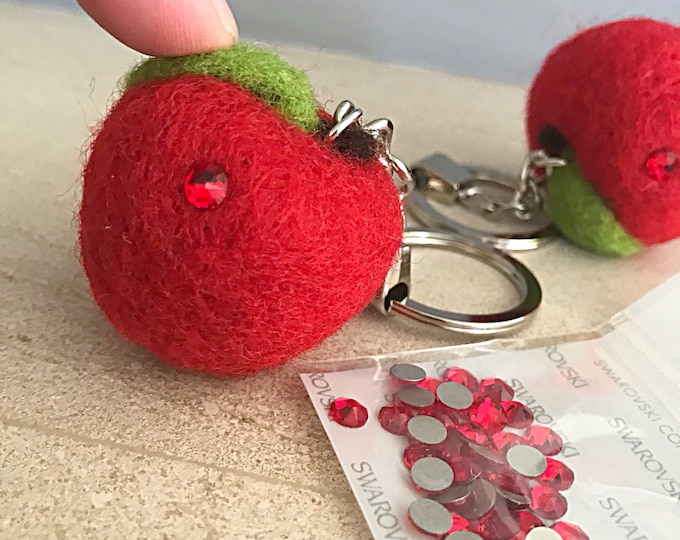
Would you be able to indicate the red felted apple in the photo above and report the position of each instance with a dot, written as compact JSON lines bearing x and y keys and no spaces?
{"x":219,"y":228}
{"x":608,"y":100}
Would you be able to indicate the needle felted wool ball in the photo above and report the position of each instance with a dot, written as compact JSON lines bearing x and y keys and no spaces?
{"x":219,"y":229}
{"x":608,"y":100}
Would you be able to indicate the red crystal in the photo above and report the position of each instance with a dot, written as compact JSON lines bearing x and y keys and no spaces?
{"x":473,"y":434}
{"x":205,"y":185}
{"x":450,"y":448}
{"x":544,"y":439}
{"x":461,"y":376}
{"x":430,"y":383}
{"x":416,"y":451}
{"x":496,"y":389}
{"x":459,"y":524}
{"x":569,"y":531}
{"x":519,"y":415}
{"x":528,"y":521}
{"x":348,"y":412}
{"x":394,"y":418}
{"x":661,"y":164}
{"x":557,"y":475}
{"x":488,"y":415}
{"x":465,"y":470}
{"x":505,"y":440}
{"x":510,"y":482}
{"x":446,"y":416}
{"x":499,"y":524}
{"x":547,"y":502}
{"x":486,"y":467}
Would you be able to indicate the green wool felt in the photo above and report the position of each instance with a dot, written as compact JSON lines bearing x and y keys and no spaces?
{"x":578,"y":211}
{"x":261,"y":72}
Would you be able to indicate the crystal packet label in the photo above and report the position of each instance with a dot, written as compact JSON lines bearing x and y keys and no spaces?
{"x":611,"y":399}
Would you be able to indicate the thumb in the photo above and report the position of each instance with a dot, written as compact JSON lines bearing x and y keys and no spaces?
{"x":166,"y":27}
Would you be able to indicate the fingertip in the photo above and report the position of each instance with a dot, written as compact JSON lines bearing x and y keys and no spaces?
{"x":166,"y":27}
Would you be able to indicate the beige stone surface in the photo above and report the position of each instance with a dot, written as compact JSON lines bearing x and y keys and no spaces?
{"x":99,"y":440}
{"x":57,"y":485}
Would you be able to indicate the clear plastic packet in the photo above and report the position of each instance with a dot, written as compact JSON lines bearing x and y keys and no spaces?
{"x":613,"y":398}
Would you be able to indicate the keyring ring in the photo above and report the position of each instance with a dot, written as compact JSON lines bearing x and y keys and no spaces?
{"x":395,"y":295}
{"x":421,"y":208}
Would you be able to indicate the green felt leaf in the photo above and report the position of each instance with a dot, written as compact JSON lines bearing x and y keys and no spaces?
{"x":579,"y":212}
{"x":260,"y":71}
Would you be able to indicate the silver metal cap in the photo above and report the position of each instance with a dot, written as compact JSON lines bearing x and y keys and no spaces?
{"x":454,"y":395}
{"x":527,"y":460}
{"x":430,"y":516}
{"x":408,"y":373}
{"x":426,"y":429}
{"x":480,"y":502}
{"x":432,"y":474}
{"x":543,"y":533}
{"x":416,"y":396}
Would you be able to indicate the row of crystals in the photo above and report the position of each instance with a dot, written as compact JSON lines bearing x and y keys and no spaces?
{"x":480,"y":480}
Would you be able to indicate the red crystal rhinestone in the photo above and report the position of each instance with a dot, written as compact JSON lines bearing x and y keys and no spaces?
{"x":547,"y":502}
{"x":499,"y":524}
{"x":205,"y":185}
{"x":446,"y":416}
{"x":465,"y":470}
{"x":557,"y":475}
{"x":416,"y":451}
{"x":450,"y":448}
{"x":569,"y":531}
{"x":459,"y":524}
{"x":486,"y":461}
{"x":461,"y":376}
{"x":528,"y":521}
{"x":473,"y":434}
{"x":496,"y":389}
{"x":512,"y":483}
{"x":661,"y":164}
{"x":348,"y":412}
{"x":430,"y":383}
{"x":505,"y":440}
{"x":488,"y":415}
{"x":544,"y":439}
{"x":519,"y":415}
{"x":394,"y":418}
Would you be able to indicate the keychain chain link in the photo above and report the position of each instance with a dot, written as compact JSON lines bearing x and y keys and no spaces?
{"x":527,"y":197}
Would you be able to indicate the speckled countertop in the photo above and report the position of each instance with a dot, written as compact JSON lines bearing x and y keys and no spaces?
{"x":99,"y":440}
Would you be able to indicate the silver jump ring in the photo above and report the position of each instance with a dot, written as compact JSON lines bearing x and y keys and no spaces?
{"x":400,"y":172}
{"x":536,"y":159}
{"x":395,"y":298}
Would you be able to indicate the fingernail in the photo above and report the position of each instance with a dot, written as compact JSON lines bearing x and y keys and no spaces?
{"x":226,"y":17}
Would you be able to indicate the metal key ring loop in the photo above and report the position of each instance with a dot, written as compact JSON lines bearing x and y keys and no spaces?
{"x":423,"y":210}
{"x":395,"y":298}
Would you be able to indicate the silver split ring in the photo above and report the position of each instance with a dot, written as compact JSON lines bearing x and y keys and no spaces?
{"x":395,"y":297}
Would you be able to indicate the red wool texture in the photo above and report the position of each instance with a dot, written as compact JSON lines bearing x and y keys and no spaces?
{"x":301,"y":244}
{"x":614,"y":93}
